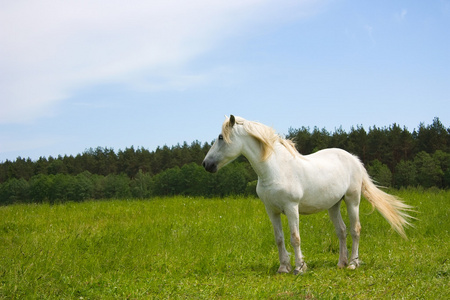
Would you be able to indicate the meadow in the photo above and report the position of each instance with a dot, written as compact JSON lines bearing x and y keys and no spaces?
{"x":221,"y":248}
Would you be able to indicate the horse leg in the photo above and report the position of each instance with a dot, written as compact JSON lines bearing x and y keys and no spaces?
{"x":355,"y":228}
{"x":293,"y":219}
{"x":285,"y":264}
{"x":339,"y":225}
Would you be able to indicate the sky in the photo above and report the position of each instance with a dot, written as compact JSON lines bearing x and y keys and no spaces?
{"x":83,"y":74}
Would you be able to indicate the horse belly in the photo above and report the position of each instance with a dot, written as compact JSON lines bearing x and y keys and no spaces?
{"x":321,"y":194}
{"x":310,"y":205}
{"x":281,"y":197}
{"x":324,"y":184}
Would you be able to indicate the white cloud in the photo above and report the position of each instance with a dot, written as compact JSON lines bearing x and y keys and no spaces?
{"x":51,"y":48}
{"x":403,"y":13}
{"x":400,"y":17}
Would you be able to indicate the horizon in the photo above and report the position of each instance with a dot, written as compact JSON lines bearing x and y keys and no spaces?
{"x":203,"y":143}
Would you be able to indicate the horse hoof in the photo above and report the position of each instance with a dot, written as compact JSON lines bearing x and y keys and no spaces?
{"x":353,"y":265}
{"x":284,"y":270}
{"x":300,"y":270}
{"x":297,"y":272}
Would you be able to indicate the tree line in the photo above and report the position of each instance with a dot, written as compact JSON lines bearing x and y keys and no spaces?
{"x":105,"y":161}
{"x":393,"y":156}
{"x":189,"y":180}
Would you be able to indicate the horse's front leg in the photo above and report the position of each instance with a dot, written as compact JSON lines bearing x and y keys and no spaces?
{"x":285,"y":264}
{"x":293,"y":219}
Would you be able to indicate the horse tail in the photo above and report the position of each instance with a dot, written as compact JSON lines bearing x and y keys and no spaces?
{"x":392,"y":208}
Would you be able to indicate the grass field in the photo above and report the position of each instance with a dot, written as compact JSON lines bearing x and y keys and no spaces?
{"x":213,"y":248}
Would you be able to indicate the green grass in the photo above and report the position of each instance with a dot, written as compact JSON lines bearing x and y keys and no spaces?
{"x":212,"y":248}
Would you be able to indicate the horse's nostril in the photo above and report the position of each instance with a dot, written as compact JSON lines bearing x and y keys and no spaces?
{"x":209,"y":166}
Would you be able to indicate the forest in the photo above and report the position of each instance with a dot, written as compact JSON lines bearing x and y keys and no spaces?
{"x":394,"y":157}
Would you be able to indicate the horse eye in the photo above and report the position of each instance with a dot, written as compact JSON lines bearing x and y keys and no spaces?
{"x":220,"y":137}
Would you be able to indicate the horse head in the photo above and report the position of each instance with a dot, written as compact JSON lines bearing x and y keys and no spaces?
{"x":225,"y":149}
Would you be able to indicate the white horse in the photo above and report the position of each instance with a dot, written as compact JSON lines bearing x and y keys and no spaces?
{"x":292,"y":184}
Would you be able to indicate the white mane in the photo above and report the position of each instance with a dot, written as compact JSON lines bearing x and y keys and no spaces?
{"x":265,"y":135}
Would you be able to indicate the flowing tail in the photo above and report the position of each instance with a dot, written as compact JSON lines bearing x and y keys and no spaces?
{"x":393,"y":209}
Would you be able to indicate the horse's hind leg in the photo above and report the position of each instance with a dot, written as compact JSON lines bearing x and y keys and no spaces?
{"x":352,"y":202}
{"x":339,"y":225}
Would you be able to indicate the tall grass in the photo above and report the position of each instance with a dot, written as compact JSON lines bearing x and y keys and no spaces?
{"x":212,"y":248}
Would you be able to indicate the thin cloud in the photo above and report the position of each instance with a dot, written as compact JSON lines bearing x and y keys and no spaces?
{"x":369,"y":30}
{"x":401,"y":16}
{"x":52,"y":48}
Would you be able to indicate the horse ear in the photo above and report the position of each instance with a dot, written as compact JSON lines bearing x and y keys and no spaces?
{"x":232,"y":121}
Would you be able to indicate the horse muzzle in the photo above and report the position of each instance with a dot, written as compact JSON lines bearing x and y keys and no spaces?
{"x":209,"y":166}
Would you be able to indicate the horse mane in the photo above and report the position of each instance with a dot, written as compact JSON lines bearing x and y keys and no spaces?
{"x":265,"y":135}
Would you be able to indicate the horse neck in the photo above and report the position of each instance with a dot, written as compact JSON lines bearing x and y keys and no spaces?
{"x":267,"y":169}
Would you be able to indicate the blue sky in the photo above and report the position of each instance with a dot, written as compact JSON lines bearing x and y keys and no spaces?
{"x":116,"y":74}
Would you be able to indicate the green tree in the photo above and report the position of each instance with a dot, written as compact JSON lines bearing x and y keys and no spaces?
{"x":83,"y":187}
{"x":378,"y":146}
{"x":105,"y":161}
{"x":433,"y":137}
{"x":56,"y":166}
{"x":405,"y":174}
{"x":128,"y":162}
{"x":98,"y":186}
{"x":231,"y":180}
{"x":428,"y":172}
{"x":197,"y":152}
{"x":14,"y":191}
{"x":168,"y":182}
{"x":250,"y":190}
{"x":71,"y":165}
{"x":142,"y":185}
{"x":357,"y":143}
{"x":40,"y":187}
{"x":41,"y":165}
{"x":339,"y":139}
{"x":401,"y":144}
{"x":145,"y":160}
{"x":320,"y":139}
{"x":87,"y":161}
{"x":380,"y":173}
{"x":442,"y":159}
{"x":117,"y":186}
{"x":61,"y":188}
{"x":302,"y":139}
{"x":21,"y":168}
{"x":194,"y":181}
